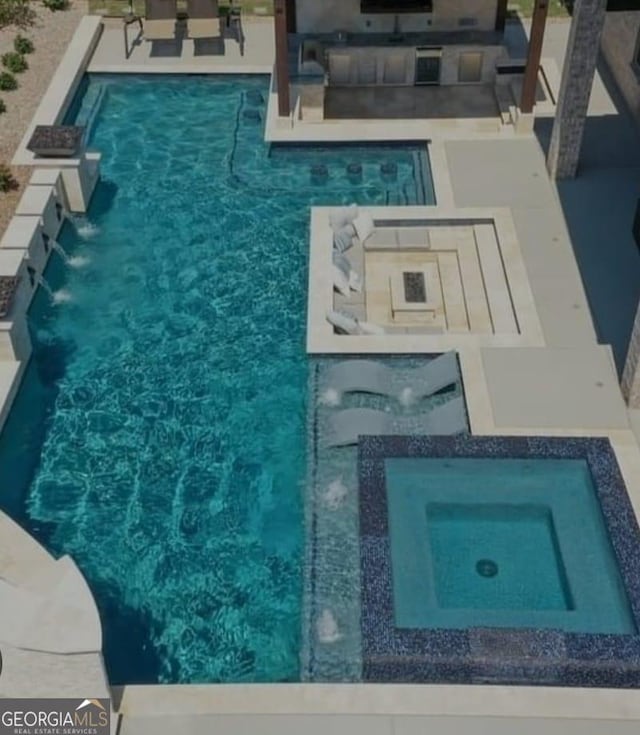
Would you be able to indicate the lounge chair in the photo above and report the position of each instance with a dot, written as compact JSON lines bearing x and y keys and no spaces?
{"x":204,"y":19}
{"x":346,"y":426}
{"x":160,"y":20}
{"x":369,"y":376}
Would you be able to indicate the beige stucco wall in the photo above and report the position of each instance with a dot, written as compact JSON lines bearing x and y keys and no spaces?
{"x":619,"y":40}
{"x":327,"y":16}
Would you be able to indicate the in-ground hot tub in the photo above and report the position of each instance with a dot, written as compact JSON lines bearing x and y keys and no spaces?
{"x":510,"y":560}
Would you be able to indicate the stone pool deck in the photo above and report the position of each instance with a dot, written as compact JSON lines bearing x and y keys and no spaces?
{"x":223,"y":56}
{"x":374,"y":709}
{"x":565,"y":386}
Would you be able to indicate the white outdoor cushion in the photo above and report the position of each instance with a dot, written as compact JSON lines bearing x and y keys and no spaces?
{"x":342,"y":216}
{"x":353,"y":278}
{"x":355,"y":282}
{"x":364,"y":226}
{"x":343,"y":239}
{"x":348,"y":324}
{"x":340,"y":281}
{"x":370,"y":328}
{"x":345,"y":323}
{"x":341,"y":262}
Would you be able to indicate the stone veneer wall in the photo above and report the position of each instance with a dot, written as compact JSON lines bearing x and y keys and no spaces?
{"x":619,"y":47}
{"x":327,"y":16}
{"x":575,"y":89}
{"x":631,"y":373}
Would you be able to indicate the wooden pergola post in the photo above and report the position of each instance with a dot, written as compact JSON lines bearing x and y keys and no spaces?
{"x":536,"y":38}
{"x":282,"y":57}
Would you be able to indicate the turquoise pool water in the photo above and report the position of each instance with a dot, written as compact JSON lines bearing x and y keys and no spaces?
{"x":159,"y":434}
{"x":502,"y":543}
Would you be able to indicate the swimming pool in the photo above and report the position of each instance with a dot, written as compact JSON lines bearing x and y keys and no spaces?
{"x":159,"y":435}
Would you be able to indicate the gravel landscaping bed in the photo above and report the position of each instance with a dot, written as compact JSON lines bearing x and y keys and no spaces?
{"x":50,"y":34}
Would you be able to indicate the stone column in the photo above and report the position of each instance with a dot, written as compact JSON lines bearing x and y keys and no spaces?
{"x":631,"y":373}
{"x":575,"y":88}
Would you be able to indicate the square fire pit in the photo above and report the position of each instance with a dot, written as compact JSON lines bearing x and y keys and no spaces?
{"x":56,"y":141}
{"x":412,"y":292}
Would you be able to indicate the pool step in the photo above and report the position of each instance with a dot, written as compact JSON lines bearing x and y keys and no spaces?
{"x":89,"y":113}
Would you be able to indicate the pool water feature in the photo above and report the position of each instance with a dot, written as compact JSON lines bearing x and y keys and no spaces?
{"x":159,"y":435}
{"x":332,"y":569}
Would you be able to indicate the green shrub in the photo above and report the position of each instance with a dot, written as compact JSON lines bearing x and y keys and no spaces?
{"x":16,"y":13}
{"x":3,"y":107}
{"x":7,"y":182}
{"x":55,"y":4}
{"x":14,"y":62}
{"x":7,"y":81}
{"x":23,"y":45}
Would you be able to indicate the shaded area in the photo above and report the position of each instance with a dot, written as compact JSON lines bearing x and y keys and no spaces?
{"x":599,"y":207}
{"x":381,"y":103}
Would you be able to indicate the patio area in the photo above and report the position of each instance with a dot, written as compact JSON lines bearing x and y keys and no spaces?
{"x":124,"y":49}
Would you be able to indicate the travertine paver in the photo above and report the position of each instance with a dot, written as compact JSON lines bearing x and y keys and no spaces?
{"x":513,"y":174}
{"x":367,"y":725}
{"x":255,"y":56}
{"x":547,"y":388}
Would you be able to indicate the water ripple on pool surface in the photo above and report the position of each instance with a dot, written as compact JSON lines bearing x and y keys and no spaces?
{"x":170,"y":453}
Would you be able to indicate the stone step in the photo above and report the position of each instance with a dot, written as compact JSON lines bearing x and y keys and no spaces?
{"x":53,"y":611}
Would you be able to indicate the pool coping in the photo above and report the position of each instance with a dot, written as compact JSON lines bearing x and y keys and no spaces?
{"x":490,"y":655}
{"x":60,"y":91}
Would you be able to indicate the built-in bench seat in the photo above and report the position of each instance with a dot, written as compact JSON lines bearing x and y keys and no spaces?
{"x":406,"y":238}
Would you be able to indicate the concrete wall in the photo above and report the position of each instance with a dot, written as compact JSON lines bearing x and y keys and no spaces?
{"x":619,"y":43}
{"x":330,"y":15}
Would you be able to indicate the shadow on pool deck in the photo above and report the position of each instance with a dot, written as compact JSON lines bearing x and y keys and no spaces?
{"x":599,"y":207}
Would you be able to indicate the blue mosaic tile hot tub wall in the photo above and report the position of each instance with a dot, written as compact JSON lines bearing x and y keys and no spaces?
{"x":493,"y":655}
